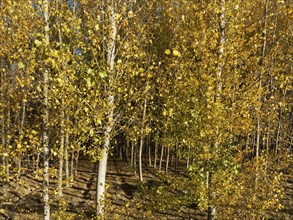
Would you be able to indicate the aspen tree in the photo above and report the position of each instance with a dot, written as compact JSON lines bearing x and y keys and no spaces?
{"x":111,"y":51}
{"x":46,"y":118}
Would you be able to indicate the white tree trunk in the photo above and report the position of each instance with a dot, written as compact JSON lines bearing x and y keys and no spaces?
{"x":101,"y":181}
{"x":156,"y":152}
{"x":161,"y":158}
{"x":140,"y":159}
{"x":167,"y":160}
{"x":141,"y":142}
{"x":46,"y":121}
{"x":66,"y":155}
{"x":212,"y":209}
{"x":61,"y":156}
{"x":111,"y":47}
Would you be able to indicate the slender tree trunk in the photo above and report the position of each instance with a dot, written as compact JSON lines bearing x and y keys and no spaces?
{"x":7,"y":142}
{"x":167,"y":159}
{"x":3,"y":143}
{"x":140,"y":159}
{"x":127,"y":152}
{"x":61,"y":155}
{"x":267,"y":144}
{"x":188,"y":158}
{"x":46,"y":120}
{"x":72,"y":166}
{"x":172,"y":156}
{"x":20,"y":141}
{"x":111,"y":50}
{"x":150,"y":150}
{"x":176,"y":158}
{"x":66,"y":156}
{"x":263,"y":52}
{"x":101,"y":180}
{"x":156,"y":154}
{"x":278,"y":135}
{"x":132,"y":155}
{"x":141,"y":143}
{"x":37,"y":161}
{"x":222,"y":39}
{"x":211,"y":209}
{"x":135,"y":159}
{"x":161,"y":158}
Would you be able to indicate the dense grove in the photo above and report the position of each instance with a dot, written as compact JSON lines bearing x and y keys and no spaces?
{"x":198,"y":91}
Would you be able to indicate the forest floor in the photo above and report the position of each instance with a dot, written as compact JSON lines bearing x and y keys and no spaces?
{"x":125,"y":198}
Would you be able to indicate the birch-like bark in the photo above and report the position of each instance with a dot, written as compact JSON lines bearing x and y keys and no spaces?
{"x":111,"y":48}
{"x":3,"y":140}
{"x":150,"y":150}
{"x":20,"y":140}
{"x":161,"y":158}
{"x":278,"y":133}
{"x":62,"y":122}
{"x":167,"y":160}
{"x":135,"y":159}
{"x":61,"y":157}
{"x":141,"y":142}
{"x":101,"y":180}
{"x":66,"y":155}
{"x":212,"y":209}
{"x":46,"y":120}
{"x":156,"y":152}
{"x":263,"y":53}
{"x":132,"y":155}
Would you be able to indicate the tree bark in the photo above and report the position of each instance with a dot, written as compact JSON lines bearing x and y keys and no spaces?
{"x":156,"y":154}
{"x":61,"y":155}
{"x":222,"y":39}
{"x":46,"y":121}
{"x":150,"y":150}
{"x":66,"y":155}
{"x":161,"y":158}
{"x":167,"y":160}
{"x":101,"y":180}
{"x":132,"y":155}
{"x":135,"y":159}
{"x":111,"y":48}
{"x":141,"y":142}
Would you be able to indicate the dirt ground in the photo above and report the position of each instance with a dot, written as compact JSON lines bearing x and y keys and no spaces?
{"x":124,"y":199}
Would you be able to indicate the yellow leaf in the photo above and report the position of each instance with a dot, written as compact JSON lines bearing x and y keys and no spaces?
{"x":18,"y":146}
{"x":117,"y":16}
{"x":38,"y":43}
{"x":167,"y":51}
{"x":34,"y":132}
{"x":176,"y":53}
{"x":130,"y":14}
{"x":21,"y":65}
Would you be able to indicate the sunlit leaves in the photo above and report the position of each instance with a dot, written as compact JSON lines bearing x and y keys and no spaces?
{"x":167,"y":54}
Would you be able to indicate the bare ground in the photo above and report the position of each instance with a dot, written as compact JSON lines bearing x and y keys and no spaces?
{"x":125,"y":197}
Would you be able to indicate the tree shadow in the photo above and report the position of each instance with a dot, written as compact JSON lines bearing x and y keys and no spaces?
{"x":128,"y":189}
